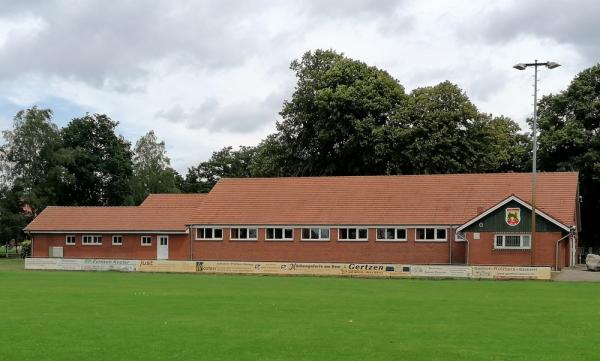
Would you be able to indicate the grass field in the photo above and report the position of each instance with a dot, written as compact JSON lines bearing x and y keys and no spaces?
{"x":136,"y":316}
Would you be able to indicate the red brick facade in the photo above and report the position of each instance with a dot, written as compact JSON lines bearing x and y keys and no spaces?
{"x":179,"y":246}
{"x":451,"y":251}
{"x":372,"y":250}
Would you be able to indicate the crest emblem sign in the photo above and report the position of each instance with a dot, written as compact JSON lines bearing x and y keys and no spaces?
{"x":513,"y":216}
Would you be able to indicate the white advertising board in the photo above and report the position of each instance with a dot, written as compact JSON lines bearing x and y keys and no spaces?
{"x":53,"y":264}
{"x":109,"y":265}
{"x":435,"y":271}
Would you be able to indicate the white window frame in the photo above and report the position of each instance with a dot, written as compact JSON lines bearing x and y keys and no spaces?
{"x":145,"y":244}
{"x":504,"y":247}
{"x":213,"y":233}
{"x":283,"y":237}
{"x":318,"y":239}
{"x":357,"y":239}
{"x":70,"y":236}
{"x":435,"y":235}
{"x":94,"y":236}
{"x":395,"y":239}
{"x":113,"y":240}
{"x":247,"y":233}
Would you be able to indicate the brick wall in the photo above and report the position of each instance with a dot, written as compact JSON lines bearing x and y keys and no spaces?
{"x":298,"y":250}
{"x":131,"y":249}
{"x":482,"y":251}
{"x":372,"y":251}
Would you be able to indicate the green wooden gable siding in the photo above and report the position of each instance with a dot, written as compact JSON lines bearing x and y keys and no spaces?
{"x":496,"y":222}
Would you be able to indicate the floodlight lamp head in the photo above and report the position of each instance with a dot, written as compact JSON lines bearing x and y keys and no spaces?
{"x":520,"y":66}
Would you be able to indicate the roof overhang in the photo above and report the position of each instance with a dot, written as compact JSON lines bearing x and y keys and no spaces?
{"x":101,"y":231}
{"x":522,"y":203}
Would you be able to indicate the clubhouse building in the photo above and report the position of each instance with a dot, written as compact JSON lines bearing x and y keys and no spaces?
{"x":457,"y":219}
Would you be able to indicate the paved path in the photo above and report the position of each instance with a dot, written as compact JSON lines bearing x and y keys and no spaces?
{"x":576,"y":274}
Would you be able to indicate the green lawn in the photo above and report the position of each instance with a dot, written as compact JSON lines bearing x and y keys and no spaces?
{"x":136,"y":316}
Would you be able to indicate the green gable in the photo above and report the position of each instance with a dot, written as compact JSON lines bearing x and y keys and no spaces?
{"x":496,"y":221}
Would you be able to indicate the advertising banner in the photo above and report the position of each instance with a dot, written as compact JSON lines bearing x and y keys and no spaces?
{"x":167,"y":266}
{"x":299,"y":268}
{"x":510,"y":272}
{"x":293,"y":268}
{"x":441,"y":271}
{"x":53,"y":264}
{"x":109,"y":265}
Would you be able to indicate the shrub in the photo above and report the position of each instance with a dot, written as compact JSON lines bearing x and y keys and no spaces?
{"x":26,"y":248}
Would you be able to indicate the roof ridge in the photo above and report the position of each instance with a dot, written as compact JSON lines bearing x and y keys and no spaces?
{"x":389,"y":176}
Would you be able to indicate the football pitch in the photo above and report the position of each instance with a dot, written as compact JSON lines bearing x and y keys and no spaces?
{"x":52,"y":315}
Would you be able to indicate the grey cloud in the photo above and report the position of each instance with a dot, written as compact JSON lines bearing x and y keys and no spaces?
{"x":239,"y":117}
{"x":110,"y":44}
{"x":353,"y":8}
{"x":568,"y":22}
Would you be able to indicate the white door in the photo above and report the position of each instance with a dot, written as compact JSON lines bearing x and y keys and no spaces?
{"x":162,"y":250}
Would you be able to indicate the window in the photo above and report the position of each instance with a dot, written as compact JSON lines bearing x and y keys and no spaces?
{"x":277,"y":234}
{"x":315,"y":234}
{"x":352,"y":234}
{"x":117,"y":240}
{"x":209,"y":233}
{"x":70,"y":240}
{"x":89,"y":240}
{"x":430,"y":234}
{"x":512,"y":241}
{"x":249,"y":234}
{"x":146,"y":240}
{"x":391,"y":234}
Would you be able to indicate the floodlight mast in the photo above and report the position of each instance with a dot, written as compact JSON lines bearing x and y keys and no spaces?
{"x":523,"y":66}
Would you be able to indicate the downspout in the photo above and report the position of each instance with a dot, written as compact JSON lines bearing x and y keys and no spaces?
{"x":451,"y":243}
{"x":191,"y":245}
{"x":557,"y":267}
{"x":459,"y":235}
{"x":450,"y":247}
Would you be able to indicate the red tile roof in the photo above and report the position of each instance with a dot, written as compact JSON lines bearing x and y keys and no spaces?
{"x":159,"y":212}
{"x":179,"y":200}
{"x":372,"y":200}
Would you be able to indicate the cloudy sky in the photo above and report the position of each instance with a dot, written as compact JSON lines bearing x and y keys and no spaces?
{"x":206,"y":74}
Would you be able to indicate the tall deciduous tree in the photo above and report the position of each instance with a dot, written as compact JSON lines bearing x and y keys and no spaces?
{"x":152,"y":172}
{"x":569,"y":124}
{"x":506,"y":149}
{"x":98,"y":162}
{"x":333,"y":123}
{"x":441,"y":120}
{"x":29,"y":158}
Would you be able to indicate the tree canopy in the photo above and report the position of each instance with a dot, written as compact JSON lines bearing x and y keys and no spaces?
{"x":569,"y":124}
{"x":152,"y":172}
{"x":98,"y":162}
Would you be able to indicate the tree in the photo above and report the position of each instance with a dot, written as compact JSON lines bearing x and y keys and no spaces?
{"x":333,"y":123}
{"x":13,"y":217}
{"x":440,"y":121}
{"x":225,"y":163}
{"x":152,"y":172}
{"x":506,"y":148}
{"x":98,"y":162}
{"x":569,"y":124}
{"x":29,"y":158}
